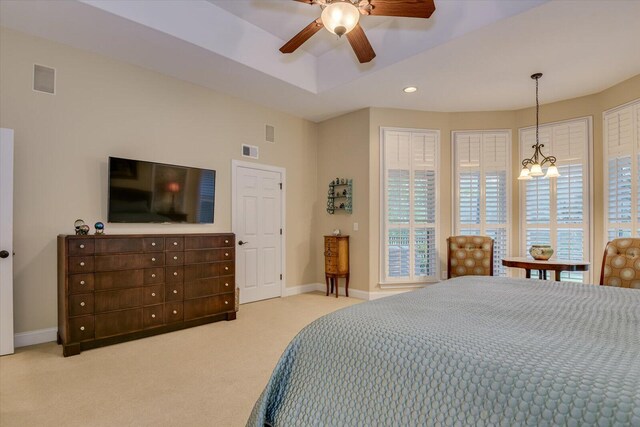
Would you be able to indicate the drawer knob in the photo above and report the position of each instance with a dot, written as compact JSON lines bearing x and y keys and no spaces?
{"x":153,"y":259}
{"x":153,"y":316}
{"x":153,"y":275}
{"x":226,"y":284}
{"x":153,"y":243}
{"x":81,"y":263}
{"x":82,"y":282}
{"x":153,"y":294}
{"x":226,"y":268}
{"x":226,"y":302}
{"x":175,"y":257}
{"x":175,"y":273}
{"x":175,"y":311}
{"x":175,"y":243}
{"x":226,"y":254}
{"x":81,"y":246}
{"x":175,"y":291}
{"x":82,"y":304}
{"x":226,"y":241}
{"x":82,"y":328}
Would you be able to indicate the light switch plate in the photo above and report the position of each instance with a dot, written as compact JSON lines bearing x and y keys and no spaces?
{"x":355,"y":226}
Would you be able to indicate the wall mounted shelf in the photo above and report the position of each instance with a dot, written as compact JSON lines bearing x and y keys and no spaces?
{"x":339,"y":196}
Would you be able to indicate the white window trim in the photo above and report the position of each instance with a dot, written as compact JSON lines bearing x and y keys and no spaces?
{"x":522,"y":190}
{"x":635,"y":170}
{"x":381,"y":233}
{"x":454,"y":170}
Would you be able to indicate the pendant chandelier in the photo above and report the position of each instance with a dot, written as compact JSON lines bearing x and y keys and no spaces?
{"x":532,"y":167}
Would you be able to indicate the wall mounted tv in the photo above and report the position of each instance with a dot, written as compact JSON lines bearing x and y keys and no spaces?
{"x":155,"y":192}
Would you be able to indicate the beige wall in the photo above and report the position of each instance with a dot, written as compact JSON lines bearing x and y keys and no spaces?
{"x":343,"y":151}
{"x":103,"y":107}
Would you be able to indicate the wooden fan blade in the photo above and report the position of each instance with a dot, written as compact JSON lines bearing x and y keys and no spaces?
{"x":407,"y":8}
{"x":360,"y":44}
{"x":305,"y":1}
{"x":302,"y":36}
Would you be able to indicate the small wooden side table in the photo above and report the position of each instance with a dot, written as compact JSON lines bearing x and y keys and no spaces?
{"x":336,"y":262}
{"x":555,"y":265}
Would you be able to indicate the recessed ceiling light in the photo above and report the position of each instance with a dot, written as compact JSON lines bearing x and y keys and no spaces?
{"x":410,"y":89}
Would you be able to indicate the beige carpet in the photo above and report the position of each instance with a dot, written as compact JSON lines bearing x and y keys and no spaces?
{"x":205,"y":376}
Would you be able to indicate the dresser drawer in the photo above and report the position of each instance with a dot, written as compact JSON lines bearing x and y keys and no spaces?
{"x":208,"y":306}
{"x":118,"y":262}
{"x":173,"y":312}
{"x":174,"y":292}
{"x":174,"y":243}
{"x":153,"y":276}
{"x":79,"y":283}
{"x":110,"y":245}
{"x":331,"y":269}
{"x":209,"y":242}
{"x":174,"y":258}
{"x":119,"y":279}
{"x":209,"y":255}
{"x":118,"y":322}
{"x":227,"y":284}
{"x":153,"y":259}
{"x":153,"y":295}
{"x":118,"y":300}
{"x":202,"y":288}
{"x":153,"y":244}
{"x":81,"y":328}
{"x":174,"y":274}
{"x":81,"y":264}
{"x":80,"y":304}
{"x":81,"y":246}
{"x":200,"y":271}
{"x":153,"y":316}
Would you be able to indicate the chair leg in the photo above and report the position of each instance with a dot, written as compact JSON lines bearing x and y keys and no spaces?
{"x":346,"y":288}
{"x":326,"y":279}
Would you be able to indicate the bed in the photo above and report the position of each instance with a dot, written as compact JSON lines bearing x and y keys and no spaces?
{"x":471,"y":350}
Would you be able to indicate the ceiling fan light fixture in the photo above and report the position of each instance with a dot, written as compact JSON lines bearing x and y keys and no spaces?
{"x":340,"y":17}
{"x":410,"y":89}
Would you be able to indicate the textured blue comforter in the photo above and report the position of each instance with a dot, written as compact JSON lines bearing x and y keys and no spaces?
{"x":481,"y":351}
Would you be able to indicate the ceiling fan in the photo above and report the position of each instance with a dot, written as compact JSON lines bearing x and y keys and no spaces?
{"x":341,"y":17}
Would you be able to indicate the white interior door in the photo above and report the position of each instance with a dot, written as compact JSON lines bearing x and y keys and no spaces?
{"x":257,"y":220}
{"x":6,"y":241}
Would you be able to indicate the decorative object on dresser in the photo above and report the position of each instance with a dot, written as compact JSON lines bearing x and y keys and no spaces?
{"x":336,"y":262}
{"x":122,"y":287}
{"x":541,"y":252}
{"x":340,"y":193}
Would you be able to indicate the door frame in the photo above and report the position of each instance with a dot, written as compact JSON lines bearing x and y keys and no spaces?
{"x":7,"y":344}
{"x":235,"y":165}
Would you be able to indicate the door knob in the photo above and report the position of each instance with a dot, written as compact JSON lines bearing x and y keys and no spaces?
{"x":242,"y":243}
{"x":4,"y":254}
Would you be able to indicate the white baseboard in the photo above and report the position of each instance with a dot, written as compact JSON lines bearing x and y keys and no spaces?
{"x":355,"y":293}
{"x":23,"y":339}
{"x":303,"y":289}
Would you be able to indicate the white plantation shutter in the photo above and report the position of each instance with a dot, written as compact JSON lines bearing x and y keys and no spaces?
{"x":622,"y":162}
{"x":557,"y":211}
{"x":482,"y":161}
{"x":409,"y":176}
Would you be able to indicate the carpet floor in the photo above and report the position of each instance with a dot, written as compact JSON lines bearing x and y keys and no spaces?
{"x":210,"y":375}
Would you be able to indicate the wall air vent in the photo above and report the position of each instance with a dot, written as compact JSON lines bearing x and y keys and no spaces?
{"x":44,"y":79}
{"x":269,"y":133}
{"x":250,"y":151}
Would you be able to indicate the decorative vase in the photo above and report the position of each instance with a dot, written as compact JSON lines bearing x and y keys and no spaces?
{"x":541,"y":252}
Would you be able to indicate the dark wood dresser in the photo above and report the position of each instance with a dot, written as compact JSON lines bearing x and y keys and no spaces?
{"x":116,"y":288}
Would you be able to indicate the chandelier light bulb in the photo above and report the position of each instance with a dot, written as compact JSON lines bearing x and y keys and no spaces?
{"x":552,"y":172}
{"x":536,"y":170}
{"x":340,"y":17}
{"x":524,"y":174}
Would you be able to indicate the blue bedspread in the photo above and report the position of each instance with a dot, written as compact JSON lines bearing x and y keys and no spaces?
{"x":468,"y":351}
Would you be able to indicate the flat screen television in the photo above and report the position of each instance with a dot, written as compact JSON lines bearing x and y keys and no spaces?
{"x":142,"y":191}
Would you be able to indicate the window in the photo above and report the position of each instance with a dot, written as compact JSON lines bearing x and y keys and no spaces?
{"x":557,"y":211}
{"x":409,"y":218}
{"x":482,"y":161}
{"x":622,"y":162}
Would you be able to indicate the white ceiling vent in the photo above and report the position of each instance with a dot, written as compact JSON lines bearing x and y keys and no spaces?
{"x":250,"y":151}
{"x":269,"y":133}
{"x":44,"y":79}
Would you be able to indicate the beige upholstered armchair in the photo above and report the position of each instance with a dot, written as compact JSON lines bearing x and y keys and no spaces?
{"x":621,"y":263}
{"x":469,"y":255}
